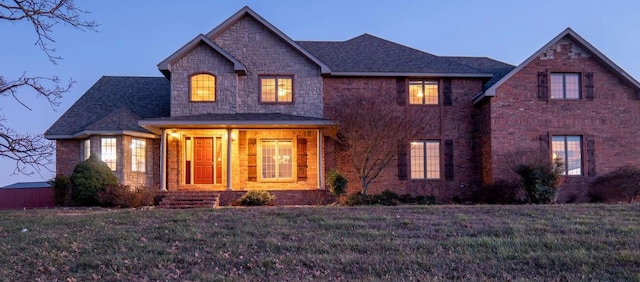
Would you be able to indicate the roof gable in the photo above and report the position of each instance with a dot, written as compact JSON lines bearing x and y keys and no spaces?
{"x":246,"y":11}
{"x":572,"y":35}
{"x":165,"y":65}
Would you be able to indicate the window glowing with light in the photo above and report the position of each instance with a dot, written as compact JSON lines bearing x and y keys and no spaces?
{"x":138,"y":155}
{"x":423,"y":92}
{"x":565,"y":86}
{"x":108,"y":152}
{"x":276,"y":89}
{"x":203,"y":87}
{"x":86,"y":151}
{"x":277,"y":162}
{"x":425,"y":160}
{"x":568,"y":149}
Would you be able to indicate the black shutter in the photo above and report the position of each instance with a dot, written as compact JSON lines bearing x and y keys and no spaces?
{"x":252,"y":165}
{"x":588,"y":86}
{"x":591,"y":158}
{"x":447,"y":92}
{"x":402,"y":164}
{"x":543,"y":86}
{"x":302,"y":159}
{"x":401,"y":91}
{"x":448,"y":159}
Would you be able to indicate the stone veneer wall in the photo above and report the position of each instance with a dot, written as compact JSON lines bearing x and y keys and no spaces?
{"x":454,"y":122}
{"x":518,"y":117}
{"x":263,"y":53}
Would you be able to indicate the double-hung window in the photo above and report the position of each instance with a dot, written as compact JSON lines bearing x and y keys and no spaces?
{"x":138,"y":155}
{"x":277,"y":159}
{"x":568,"y":149}
{"x":108,"y":152}
{"x":276,"y":89}
{"x":423,"y":92}
{"x":565,"y":85}
{"x":425,"y":160}
{"x":86,"y":149}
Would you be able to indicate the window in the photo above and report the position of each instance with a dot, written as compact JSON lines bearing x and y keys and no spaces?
{"x":567,"y":148}
{"x":138,"y":155}
{"x":277,"y":162}
{"x":203,"y":88}
{"x":423,"y":92}
{"x":565,"y":86}
{"x":425,"y":160}
{"x":86,"y":149}
{"x":276,"y":89}
{"x":108,"y":152}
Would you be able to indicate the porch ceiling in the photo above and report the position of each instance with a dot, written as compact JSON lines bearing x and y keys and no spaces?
{"x":241,"y":120}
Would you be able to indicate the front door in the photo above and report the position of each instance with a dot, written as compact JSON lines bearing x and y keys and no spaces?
{"x":203,"y":160}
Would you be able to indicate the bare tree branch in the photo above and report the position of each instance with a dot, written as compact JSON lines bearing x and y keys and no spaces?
{"x":44,"y":15}
{"x":28,"y":151}
{"x":52,"y":93}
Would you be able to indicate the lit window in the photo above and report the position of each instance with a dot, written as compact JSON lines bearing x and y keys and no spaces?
{"x":276,"y":89}
{"x":567,"y":148}
{"x":277,"y":162}
{"x":138,"y":155}
{"x":565,"y":86}
{"x":203,"y":87}
{"x":86,"y":149}
{"x":108,"y":152}
{"x":423,"y":92}
{"x":425,"y":160}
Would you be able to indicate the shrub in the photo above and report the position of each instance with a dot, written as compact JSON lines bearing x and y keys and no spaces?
{"x":256,"y":198}
{"x":540,"y":180}
{"x":337,"y":183}
{"x":90,"y":177}
{"x":499,"y":192}
{"x":61,"y":187}
{"x":125,"y":196}
{"x":388,"y":198}
{"x":358,"y":199}
{"x":620,"y":184}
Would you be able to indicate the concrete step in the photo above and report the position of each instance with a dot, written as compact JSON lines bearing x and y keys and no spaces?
{"x":189,"y":199}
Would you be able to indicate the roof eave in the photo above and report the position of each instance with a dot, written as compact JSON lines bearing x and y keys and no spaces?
{"x":86,"y":133}
{"x":324,"y":69}
{"x":156,"y":126}
{"x":416,"y":74}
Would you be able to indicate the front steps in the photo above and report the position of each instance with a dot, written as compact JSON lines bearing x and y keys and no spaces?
{"x":189,"y":200}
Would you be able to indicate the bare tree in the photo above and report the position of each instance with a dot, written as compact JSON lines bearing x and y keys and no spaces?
{"x":372,"y":129}
{"x":26,"y":149}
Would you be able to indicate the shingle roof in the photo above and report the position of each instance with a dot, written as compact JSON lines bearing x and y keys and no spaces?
{"x":115,"y":103}
{"x":239,"y":117}
{"x":28,"y":185}
{"x":484,"y":64}
{"x":370,"y":54}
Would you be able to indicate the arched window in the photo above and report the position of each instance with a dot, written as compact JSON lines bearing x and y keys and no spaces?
{"x":203,"y":87}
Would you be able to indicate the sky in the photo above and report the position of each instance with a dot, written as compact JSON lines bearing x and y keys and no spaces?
{"x":134,"y":36}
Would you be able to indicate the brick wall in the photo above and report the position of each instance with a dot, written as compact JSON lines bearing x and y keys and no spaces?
{"x":454,"y":122}
{"x":518,"y":117}
{"x":67,"y":155}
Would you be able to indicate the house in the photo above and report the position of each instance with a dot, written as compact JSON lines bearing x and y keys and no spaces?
{"x":243,"y":108}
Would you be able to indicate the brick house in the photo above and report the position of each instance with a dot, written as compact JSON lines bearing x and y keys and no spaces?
{"x":242,"y":108}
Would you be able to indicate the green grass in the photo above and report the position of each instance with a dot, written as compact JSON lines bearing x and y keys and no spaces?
{"x":546,"y":242}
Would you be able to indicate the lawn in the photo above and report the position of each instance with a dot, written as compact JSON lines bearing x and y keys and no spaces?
{"x":531,"y":242}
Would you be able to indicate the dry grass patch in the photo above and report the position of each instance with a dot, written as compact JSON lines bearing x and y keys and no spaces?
{"x":558,"y":242}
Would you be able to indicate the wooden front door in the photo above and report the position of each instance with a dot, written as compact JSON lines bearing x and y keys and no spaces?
{"x":203,"y":160}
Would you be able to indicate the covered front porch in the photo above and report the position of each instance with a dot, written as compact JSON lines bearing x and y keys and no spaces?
{"x":240,"y":152}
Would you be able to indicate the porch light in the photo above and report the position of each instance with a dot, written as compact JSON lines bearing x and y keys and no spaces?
{"x":174,"y":134}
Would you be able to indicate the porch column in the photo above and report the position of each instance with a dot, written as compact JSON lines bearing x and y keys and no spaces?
{"x":163,"y":160}
{"x":229,"y":139}
{"x":320,"y":153}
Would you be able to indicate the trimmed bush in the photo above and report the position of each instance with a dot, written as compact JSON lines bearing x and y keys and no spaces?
{"x":540,"y":180}
{"x":125,"y":196}
{"x":622,"y":184}
{"x":388,"y":198}
{"x":337,"y":183}
{"x":90,"y":177}
{"x":61,"y":187}
{"x":256,"y":198}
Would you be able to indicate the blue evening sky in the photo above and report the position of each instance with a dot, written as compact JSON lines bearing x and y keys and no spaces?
{"x":135,"y":36}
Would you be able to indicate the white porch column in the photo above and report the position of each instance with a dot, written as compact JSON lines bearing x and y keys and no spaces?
{"x":320,"y":153}
{"x":229,"y":139}
{"x":163,"y":160}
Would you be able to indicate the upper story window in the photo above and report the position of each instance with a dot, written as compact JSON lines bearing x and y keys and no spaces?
{"x":138,"y":155}
{"x":425,"y":160}
{"x":423,"y":92}
{"x":565,"y":85}
{"x":203,"y":88}
{"x":568,"y":149}
{"x":108,"y":152}
{"x":276,"y":89}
